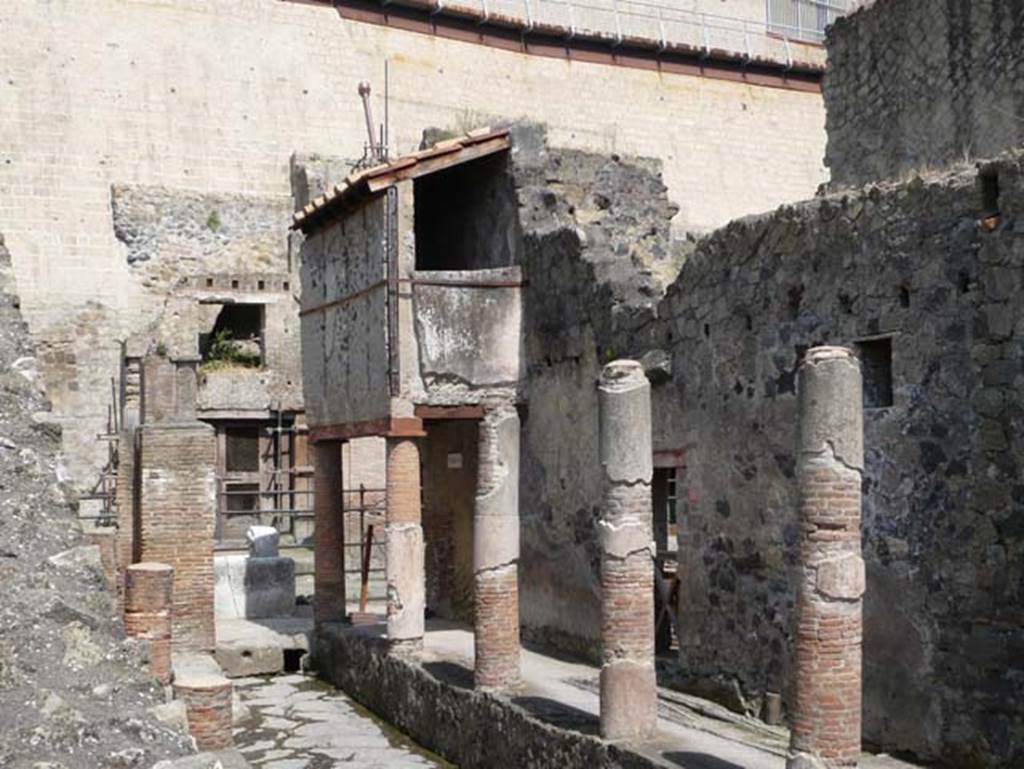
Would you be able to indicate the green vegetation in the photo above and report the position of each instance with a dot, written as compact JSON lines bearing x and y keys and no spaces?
{"x":213,"y":221}
{"x":225,"y":352}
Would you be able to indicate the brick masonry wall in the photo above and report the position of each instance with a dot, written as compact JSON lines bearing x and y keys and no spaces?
{"x":177,"y":516}
{"x":916,"y":84}
{"x":214,"y":96}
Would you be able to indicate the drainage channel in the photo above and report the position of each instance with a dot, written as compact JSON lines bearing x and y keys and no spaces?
{"x":299,"y":722}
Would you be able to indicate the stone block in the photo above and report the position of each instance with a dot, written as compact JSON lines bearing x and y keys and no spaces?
{"x":263,"y":541}
{"x":240,"y":659}
{"x":842,"y":578}
{"x":246,"y":587}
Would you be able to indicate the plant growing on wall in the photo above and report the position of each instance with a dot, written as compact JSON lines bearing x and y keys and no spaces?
{"x":224,"y":351}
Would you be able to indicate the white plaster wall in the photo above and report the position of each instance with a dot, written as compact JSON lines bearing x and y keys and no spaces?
{"x":214,"y":95}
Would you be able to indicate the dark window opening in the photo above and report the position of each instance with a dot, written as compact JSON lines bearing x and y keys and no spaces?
{"x":988,"y":181}
{"x":467,"y":217}
{"x":904,"y":296}
{"x":242,"y":449}
{"x":241,"y":497}
{"x":236,"y":338}
{"x":209,"y":282}
{"x":876,"y":369}
{"x":234,"y":284}
{"x":664,"y":498}
{"x":260,"y":285}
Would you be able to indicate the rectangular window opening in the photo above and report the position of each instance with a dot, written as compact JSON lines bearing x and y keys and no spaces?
{"x":804,"y":20}
{"x":242,"y":449}
{"x":664,"y":497}
{"x":467,"y":217}
{"x":236,"y":339}
{"x":988,"y":183}
{"x":876,"y":369}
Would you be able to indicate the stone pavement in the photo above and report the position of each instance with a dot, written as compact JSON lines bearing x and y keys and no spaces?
{"x":298,"y":722}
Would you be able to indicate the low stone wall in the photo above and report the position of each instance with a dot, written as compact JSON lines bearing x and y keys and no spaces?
{"x":469,"y":728}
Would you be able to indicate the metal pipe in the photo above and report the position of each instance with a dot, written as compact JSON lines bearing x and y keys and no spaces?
{"x":364,"y":94}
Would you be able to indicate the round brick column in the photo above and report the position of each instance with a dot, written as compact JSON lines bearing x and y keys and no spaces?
{"x":207,"y":701}
{"x":328,"y":534}
{"x":826,"y":719}
{"x":406,"y":575}
{"x":496,"y":549}
{"x":148,"y":599}
{"x":628,"y":687}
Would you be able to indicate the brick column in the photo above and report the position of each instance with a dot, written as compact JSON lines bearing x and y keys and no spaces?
{"x":147,"y":613}
{"x":329,"y":534}
{"x":405,"y":557}
{"x":177,"y":472}
{"x":628,"y":688}
{"x":496,"y":549}
{"x":830,"y":462}
{"x":207,"y":699}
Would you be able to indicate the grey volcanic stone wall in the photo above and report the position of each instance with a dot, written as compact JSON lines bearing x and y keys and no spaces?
{"x":943,"y":517}
{"x":913,"y":84}
{"x":596,"y":257}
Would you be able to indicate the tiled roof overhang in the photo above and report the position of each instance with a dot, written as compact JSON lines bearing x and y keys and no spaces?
{"x":361,"y":185}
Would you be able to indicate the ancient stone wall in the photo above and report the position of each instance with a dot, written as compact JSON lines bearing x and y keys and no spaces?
{"x":216,"y":96}
{"x":927,"y":292}
{"x":919,"y":84}
{"x":596,"y":256}
{"x":921,"y":282}
{"x":471,"y":728}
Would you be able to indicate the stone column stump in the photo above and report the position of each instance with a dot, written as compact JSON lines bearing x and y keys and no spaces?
{"x":207,"y":696}
{"x":406,"y":575}
{"x":628,"y":686}
{"x":826,"y":720}
{"x":496,"y":549}
{"x":147,"y":613}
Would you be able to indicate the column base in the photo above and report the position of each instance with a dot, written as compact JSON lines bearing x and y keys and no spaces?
{"x":629,"y":701}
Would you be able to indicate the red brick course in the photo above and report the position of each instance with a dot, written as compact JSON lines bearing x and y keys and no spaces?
{"x":329,"y":561}
{"x":148,"y":602}
{"x":496,"y":628}
{"x":403,"y":481}
{"x":208,"y":709}
{"x":826,"y":719}
{"x":177,"y":517}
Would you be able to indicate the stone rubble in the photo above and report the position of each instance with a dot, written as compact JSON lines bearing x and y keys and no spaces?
{"x":72,"y":691}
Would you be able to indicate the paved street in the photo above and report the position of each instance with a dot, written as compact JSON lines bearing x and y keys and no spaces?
{"x":298,"y":722}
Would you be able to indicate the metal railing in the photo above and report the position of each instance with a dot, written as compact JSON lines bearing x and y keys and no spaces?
{"x":766,"y":33}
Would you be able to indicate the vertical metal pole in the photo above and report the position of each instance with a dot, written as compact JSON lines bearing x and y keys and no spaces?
{"x":618,"y":22}
{"x":391,"y":267}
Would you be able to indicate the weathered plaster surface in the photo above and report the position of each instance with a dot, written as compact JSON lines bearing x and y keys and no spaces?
{"x":344,"y":345}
